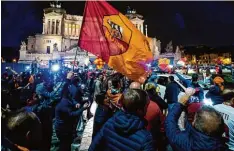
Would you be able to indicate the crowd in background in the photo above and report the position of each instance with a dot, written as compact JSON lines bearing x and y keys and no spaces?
{"x":128,"y":116}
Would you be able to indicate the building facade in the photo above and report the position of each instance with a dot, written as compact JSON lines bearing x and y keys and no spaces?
{"x":60,"y":36}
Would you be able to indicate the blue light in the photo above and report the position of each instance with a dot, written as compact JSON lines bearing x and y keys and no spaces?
{"x":90,"y":67}
{"x":27,"y":67}
{"x":55,"y":67}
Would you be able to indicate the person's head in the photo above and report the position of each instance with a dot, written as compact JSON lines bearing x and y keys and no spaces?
{"x":208,"y":121}
{"x":22,"y":128}
{"x":150,"y":88}
{"x":115,"y":83}
{"x":194,"y":78}
{"x":135,"y":85}
{"x":100,"y":76}
{"x":135,"y":101}
{"x":228,"y":96}
{"x":171,"y":79}
{"x":219,"y":82}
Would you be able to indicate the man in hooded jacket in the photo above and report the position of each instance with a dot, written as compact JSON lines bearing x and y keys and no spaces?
{"x":126,"y":129}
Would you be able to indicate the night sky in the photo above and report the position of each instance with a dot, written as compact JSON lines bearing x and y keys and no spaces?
{"x":186,"y":23}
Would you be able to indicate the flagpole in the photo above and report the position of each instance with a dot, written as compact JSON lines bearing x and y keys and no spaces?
{"x":75,"y":59}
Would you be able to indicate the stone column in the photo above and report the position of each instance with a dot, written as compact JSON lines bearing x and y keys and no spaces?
{"x":142,"y":30}
{"x":146,"y":31}
{"x":76,"y":30}
{"x":55,"y":26}
{"x":50,"y":26}
{"x":71,"y":29}
{"x":60,"y":27}
{"x":43,"y":32}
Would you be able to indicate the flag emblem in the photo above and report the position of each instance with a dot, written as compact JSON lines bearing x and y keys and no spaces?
{"x":117,"y":34}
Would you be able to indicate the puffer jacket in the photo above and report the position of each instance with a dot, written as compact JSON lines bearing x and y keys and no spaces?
{"x":125,"y":132}
{"x":214,"y":94}
{"x":190,"y":139}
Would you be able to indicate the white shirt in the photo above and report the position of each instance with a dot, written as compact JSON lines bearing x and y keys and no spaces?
{"x":228,"y":117}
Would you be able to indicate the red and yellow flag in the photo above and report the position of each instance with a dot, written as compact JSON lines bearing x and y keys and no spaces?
{"x":110,"y":35}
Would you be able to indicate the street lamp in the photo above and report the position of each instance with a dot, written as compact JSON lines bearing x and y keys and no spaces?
{"x":14,"y":60}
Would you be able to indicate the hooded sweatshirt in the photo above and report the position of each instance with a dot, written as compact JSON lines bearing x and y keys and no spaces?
{"x":125,"y":132}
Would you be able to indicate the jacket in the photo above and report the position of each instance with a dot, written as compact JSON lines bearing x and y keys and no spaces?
{"x":190,"y":139}
{"x":125,"y":132}
{"x":76,"y":93}
{"x":65,"y":115}
{"x":157,"y":99}
{"x":214,"y":94}
{"x":48,"y":99}
{"x":172,"y":92}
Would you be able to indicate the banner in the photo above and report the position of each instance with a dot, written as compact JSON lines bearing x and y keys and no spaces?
{"x":111,"y":36}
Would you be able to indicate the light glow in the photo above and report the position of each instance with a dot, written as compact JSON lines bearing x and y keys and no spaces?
{"x":55,"y":67}
{"x":208,"y":102}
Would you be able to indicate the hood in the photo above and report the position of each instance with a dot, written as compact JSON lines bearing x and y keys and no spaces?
{"x":215,"y":90}
{"x":214,"y":94}
{"x":203,"y":142}
{"x":127,"y":124}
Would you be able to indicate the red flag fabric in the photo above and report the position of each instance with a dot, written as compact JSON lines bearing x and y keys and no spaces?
{"x":111,"y":36}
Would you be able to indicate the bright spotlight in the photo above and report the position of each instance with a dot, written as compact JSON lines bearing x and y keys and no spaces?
{"x":208,"y":102}
{"x":55,"y":67}
{"x":27,"y":67}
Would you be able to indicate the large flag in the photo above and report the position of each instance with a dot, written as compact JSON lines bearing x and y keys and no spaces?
{"x":110,"y":35}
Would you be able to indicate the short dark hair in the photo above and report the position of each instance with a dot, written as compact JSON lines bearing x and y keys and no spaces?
{"x":171,"y":78}
{"x":115,"y":82}
{"x":209,"y":121}
{"x":194,"y":77}
{"x":18,"y":123}
{"x":228,"y":94}
{"x":134,"y":99}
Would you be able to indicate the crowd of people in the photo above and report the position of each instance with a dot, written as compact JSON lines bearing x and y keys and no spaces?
{"x":128,"y":116}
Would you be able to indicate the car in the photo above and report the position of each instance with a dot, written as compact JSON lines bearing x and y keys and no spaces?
{"x":163,"y":80}
{"x":191,"y":71}
{"x":226,"y":70}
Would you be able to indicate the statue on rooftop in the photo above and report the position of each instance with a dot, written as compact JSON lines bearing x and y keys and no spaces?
{"x":23,"y":46}
{"x":169,"y":48}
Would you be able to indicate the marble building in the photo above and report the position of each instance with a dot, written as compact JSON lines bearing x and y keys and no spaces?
{"x":60,"y":36}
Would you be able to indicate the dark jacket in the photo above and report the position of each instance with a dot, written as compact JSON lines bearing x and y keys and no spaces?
{"x":66,"y":115}
{"x":125,"y":132}
{"x":76,"y":93}
{"x":190,"y":139}
{"x":157,"y":99}
{"x":172,"y":92}
{"x":214,"y":94}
